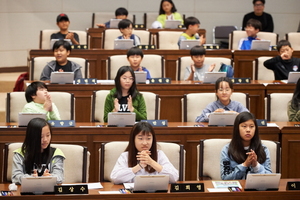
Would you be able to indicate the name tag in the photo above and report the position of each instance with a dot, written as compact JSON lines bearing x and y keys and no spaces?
{"x":157,"y":122}
{"x":294,"y":185}
{"x":62,"y":123}
{"x":160,"y":80}
{"x":71,"y":189}
{"x":213,"y":46}
{"x":86,"y":81}
{"x":79,"y":46}
{"x":261,"y":122}
{"x":187,"y":187}
{"x":241,"y":80}
{"x":136,"y":26}
{"x":145,"y":47}
{"x":296,"y":125}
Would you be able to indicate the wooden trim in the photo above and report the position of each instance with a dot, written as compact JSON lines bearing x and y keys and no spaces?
{"x":14,"y":69}
{"x":84,"y":165}
{"x":8,"y":107}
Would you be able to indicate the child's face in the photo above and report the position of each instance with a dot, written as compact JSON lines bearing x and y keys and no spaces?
{"x":135,"y":61}
{"x":224,"y":92}
{"x":40,"y":96}
{"x":286,"y":52}
{"x":63,"y":25}
{"x":258,"y":8}
{"x":143,"y":142}
{"x":251,"y":31}
{"x":198,"y":60}
{"x":45,"y":137}
{"x":127,"y":31}
{"x":126,"y":80}
{"x":61,"y":54}
{"x":167,"y":7}
{"x":247,"y":131}
{"x":194,"y":28}
{"x":121,"y":16}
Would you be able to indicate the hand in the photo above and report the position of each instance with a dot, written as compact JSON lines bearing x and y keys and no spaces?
{"x":253,"y":157}
{"x":144,"y":158}
{"x":34,"y":174}
{"x":212,"y":67}
{"x":284,"y":56}
{"x":101,"y":25}
{"x":192,"y":68}
{"x":48,"y":103}
{"x":202,"y":40}
{"x":60,"y":70}
{"x":140,"y":69}
{"x":219,"y":110}
{"x":70,"y":36}
{"x":46,"y":173}
{"x":129,"y":103}
{"x":116,"y":105}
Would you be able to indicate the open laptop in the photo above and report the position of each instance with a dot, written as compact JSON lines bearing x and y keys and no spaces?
{"x":62,"y":77}
{"x":293,"y":77}
{"x":24,"y":118}
{"x":260,"y":45}
{"x":38,"y":185}
{"x":55,"y":40}
{"x":140,"y":76}
{"x":173,"y":24}
{"x":156,"y":183}
{"x":262,"y":182}
{"x":212,"y":77}
{"x":188,"y":44}
{"x":121,"y":119}
{"x":222,"y":118}
{"x":123,"y":43}
{"x":114,"y":23}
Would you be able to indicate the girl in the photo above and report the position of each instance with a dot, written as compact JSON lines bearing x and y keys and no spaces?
{"x":125,"y":96}
{"x":294,"y":105}
{"x":224,"y":89}
{"x":244,"y":153}
{"x":36,"y":157}
{"x":141,"y":157}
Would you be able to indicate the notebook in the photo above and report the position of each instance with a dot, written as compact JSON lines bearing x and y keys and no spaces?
{"x":293,"y":77}
{"x":156,"y":183}
{"x":188,"y":44}
{"x":38,"y":185}
{"x":222,"y":118}
{"x":140,"y":76}
{"x":260,"y":45}
{"x":62,"y":77}
{"x":114,"y":23}
{"x":24,"y":118}
{"x":172,"y":24}
{"x":123,"y":43}
{"x":121,"y":119}
{"x":212,"y":77}
{"x":262,"y":182}
{"x":55,"y":40}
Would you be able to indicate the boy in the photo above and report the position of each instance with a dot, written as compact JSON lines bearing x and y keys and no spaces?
{"x":120,"y":13}
{"x":63,"y":23}
{"x":125,"y":27}
{"x":192,"y":25}
{"x":252,"y":28}
{"x":39,"y":101}
{"x":61,"y":50}
{"x":284,"y":63}
{"x":135,"y":56}
{"x":195,"y":72}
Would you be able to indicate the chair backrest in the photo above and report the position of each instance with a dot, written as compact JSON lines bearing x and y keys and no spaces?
{"x":261,"y":72}
{"x":110,"y":152}
{"x":222,"y":32}
{"x":194,"y":103}
{"x":38,"y":63}
{"x":209,"y":155}
{"x":45,"y":36}
{"x":168,"y":39}
{"x":186,"y":61}
{"x":103,"y":17}
{"x":150,"y":18}
{"x":154,"y":63}
{"x":64,"y":101}
{"x":76,"y":164}
{"x":293,"y":38}
{"x":277,"y":106}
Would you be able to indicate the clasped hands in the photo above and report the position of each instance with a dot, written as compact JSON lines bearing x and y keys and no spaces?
{"x":48,"y":103}
{"x":144,"y":158}
{"x":129,"y":104}
{"x":251,"y":159}
{"x":46,"y":173}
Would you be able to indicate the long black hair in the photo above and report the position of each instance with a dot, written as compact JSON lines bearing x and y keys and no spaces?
{"x":296,"y":97}
{"x":161,"y":11}
{"x":133,"y":90}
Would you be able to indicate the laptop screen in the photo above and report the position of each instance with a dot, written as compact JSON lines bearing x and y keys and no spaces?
{"x":38,"y":185}
{"x":121,"y":119}
{"x":173,"y":24}
{"x":24,"y":118}
{"x":156,"y":183}
{"x":188,"y":44}
{"x":62,"y":77}
{"x":222,"y":118}
{"x":262,"y":182}
{"x":260,"y":45}
{"x":123,"y":43}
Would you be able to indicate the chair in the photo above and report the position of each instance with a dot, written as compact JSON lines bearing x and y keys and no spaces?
{"x":76,"y":164}
{"x":261,"y":72}
{"x":209,"y":155}
{"x":149,"y":19}
{"x":293,"y":38}
{"x":185,"y":61}
{"x":277,"y":106}
{"x":38,"y":63}
{"x":102,"y":17}
{"x":154,"y":63}
{"x":110,"y":152}
{"x":64,"y":101}
{"x":222,"y":33}
{"x":168,"y":39}
{"x":45,"y":36}
{"x":193,"y":104}
{"x":98,"y":101}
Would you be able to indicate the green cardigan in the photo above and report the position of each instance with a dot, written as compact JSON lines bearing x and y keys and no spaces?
{"x":294,"y":115}
{"x":138,"y":103}
{"x":162,"y":18}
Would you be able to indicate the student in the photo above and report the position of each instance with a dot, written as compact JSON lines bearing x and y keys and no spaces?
{"x":125,"y":27}
{"x":125,"y":97}
{"x":195,"y":72}
{"x":167,"y":11}
{"x":36,"y":157}
{"x":120,"y":13}
{"x":192,"y":25}
{"x":265,"y":19}
{"x":61,"y":50}
{"x":284,"y":63}
{"x":63,"y":23}
{"x":141,"y":157}
{"x":294,"y":105}
{"x":252,"y":28}
{"x":224,"y":89}
{"x":39,"y":101}
{"x":135,"y":56}
{"x":245,"y":153}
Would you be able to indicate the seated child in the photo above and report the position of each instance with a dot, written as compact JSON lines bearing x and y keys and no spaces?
{"x":192,"y":25}
{"x":39,"y":101}
{"x":135,"y":56}
{"x":252,"y":28}
{"x":284,"y":63}
{"x":120,"y":13}
{"x":195,"y":72}
{"x":61,"y":50}
{"x":125,"y":27}
{"x":63,"y":24}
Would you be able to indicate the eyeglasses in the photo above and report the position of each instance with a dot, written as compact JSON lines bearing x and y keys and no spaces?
{"x":258,"y":5}
{"x":224,"y":90}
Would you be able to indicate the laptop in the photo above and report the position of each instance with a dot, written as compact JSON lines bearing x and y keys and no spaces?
{"x":62,"y":77}
{"x":123,"y":43}
{"x":24,"y":118}
{"x":260,"y":45}
{"x":212,"y":77}
{"x":173,"y":24}
{"x":188,"y":44}
{"x":293,"y":77}
{"x":38,"y":185}
{"x":140,"y":76}
{"x":55,"y":40}
{"x":121,"y":119}
{"x":155,"y":183}
{"x":114,"y":23}
{"x":222,"y":118}
{"x":262,"y":182}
